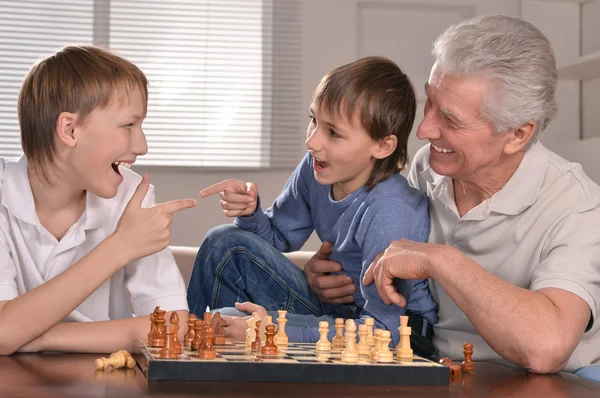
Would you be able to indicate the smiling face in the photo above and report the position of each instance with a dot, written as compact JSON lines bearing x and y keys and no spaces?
{"x":344,"y":153}
{"x":463,"y":143}
{"x":107,"y":139}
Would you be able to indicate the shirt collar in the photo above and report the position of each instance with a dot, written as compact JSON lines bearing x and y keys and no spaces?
{"x":519,"y":192}
{"x":17,"y":197}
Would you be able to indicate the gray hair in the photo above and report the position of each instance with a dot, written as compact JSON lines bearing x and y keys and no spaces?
{"x":516,"y":57}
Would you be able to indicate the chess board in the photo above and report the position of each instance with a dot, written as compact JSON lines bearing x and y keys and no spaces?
{"x":298,"y":363}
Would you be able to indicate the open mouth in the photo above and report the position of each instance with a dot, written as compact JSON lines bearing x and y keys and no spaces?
{"x":115,"y":166}
{"x":320,"y":163}
{"x":440,"y":149}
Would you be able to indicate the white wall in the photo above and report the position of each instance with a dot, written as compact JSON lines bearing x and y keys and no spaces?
{"x":339,"y":31}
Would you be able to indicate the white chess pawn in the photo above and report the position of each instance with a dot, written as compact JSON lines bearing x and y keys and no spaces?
{"x":362,"y":346}
{"x":403,"y":349}
{"x":377,"y":346}
{"x":384,"y":354}
{"x":350,"y":353}
{"x":281,"y":339}
{"x":370,"y":322}
{"x":338,"y":340}
{"x":323,"y":344}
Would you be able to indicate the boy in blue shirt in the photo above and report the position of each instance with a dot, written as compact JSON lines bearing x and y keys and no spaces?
{"x":347,"y":189}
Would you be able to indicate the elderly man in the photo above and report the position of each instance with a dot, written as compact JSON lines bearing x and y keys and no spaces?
{"x":514,"y":251}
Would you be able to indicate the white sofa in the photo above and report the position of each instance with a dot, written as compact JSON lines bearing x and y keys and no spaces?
{"x":185,"y":256}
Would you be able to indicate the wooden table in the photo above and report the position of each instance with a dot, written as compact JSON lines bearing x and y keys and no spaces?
{"x":73,"y":375}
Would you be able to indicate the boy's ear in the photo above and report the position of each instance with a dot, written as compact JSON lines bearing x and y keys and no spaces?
{"x":386,"y":147}
{"x":65,"y":128}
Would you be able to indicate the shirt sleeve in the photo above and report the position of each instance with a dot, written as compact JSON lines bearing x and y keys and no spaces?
{"x":287,"y":224}
{"x":393,"y":219}
{"x":571,"y":259}
{"x":8,"y":271}
{"x":155,"y":279}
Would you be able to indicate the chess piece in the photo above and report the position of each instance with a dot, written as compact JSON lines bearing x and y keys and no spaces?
{"x":174,"y":321}
{"x":255,"y":346}
{"x":250,"y":332}
{"x":468,"y":366}
{"x":191,"y":333}
{"x":350,"y":353}
{"x":370,"y":322}
{"x":269,"y":348}
{"x":169,"y":349}
{"x":198,"y":335}
{"x":403,"y":349}
{"x":338,"y":340}
{"x":323,"y":345}
{"x":454,"y":371}
{"x":445,"y":361}
{"x":362,"y":346}
{"x":158,"y":340}
{"x":129,"y":360}
{"x":153,"y":317}
{"x":207,"y":351}
{"x":103,"y":363}
{"x":377,"y":346}
{"x":267,"y":320}
{"x":218,"y":325}
{"x":384,"y":354}
{"x":281,"y":339}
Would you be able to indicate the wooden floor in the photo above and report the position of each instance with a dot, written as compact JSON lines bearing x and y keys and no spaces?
{"x":73,"y":375}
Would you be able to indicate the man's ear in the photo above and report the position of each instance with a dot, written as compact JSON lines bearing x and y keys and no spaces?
{"x":518,"y":139}
{"x":386,"y":147}
{"x":65,"y":128}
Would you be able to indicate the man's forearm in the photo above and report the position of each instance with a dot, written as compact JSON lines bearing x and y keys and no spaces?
{"x":98,"y":337}
{"x":523,"y":326}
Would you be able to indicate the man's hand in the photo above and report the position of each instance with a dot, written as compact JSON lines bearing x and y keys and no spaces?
{"x":335,"y":289}
{"x":403,"y":259}
{"x":238,"y":198}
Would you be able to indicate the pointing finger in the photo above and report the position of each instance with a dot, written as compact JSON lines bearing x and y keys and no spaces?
{"x":227,"y":185}
{"x":177,"y":205}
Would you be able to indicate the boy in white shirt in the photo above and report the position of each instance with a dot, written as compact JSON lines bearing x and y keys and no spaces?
{"x":82,"y":243}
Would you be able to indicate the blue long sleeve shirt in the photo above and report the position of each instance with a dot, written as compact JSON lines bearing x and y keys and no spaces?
{"x":360,"y":226}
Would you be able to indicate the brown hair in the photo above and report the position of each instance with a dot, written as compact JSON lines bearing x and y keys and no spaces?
{"x":383,"y":94}
{"x":75,"y":79}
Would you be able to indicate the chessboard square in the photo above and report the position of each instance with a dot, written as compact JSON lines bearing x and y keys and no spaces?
{"x":238,"y":358}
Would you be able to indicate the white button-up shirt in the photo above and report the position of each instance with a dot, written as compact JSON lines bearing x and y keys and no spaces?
{"x":541,"y":230}
{"x":30,"y":255}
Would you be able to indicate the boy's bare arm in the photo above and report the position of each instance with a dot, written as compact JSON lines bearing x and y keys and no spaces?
{"x":98,"y":337}
{"x":30,"y":315}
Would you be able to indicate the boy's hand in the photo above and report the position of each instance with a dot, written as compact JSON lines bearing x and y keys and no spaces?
{"x":236,"y":326}
{"x":238,"y":198}
{"x":145,"y":231}
{"x":252,"y":308}
{"x":336,"y":289}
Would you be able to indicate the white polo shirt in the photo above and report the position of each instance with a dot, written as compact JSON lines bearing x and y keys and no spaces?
{"x":541,"y":230}
{"x":30,"y":255}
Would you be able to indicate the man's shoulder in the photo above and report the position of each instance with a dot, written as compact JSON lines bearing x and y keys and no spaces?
{"x":568,"y":180}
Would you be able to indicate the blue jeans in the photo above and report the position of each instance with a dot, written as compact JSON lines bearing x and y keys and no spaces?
{"x":234,"y":265}
{"x":591,"y":372}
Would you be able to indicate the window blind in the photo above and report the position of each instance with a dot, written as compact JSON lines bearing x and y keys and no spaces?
{"x":225,"y":75}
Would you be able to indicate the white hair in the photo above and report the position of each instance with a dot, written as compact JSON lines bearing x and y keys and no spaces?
{"x":515,"y":56}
